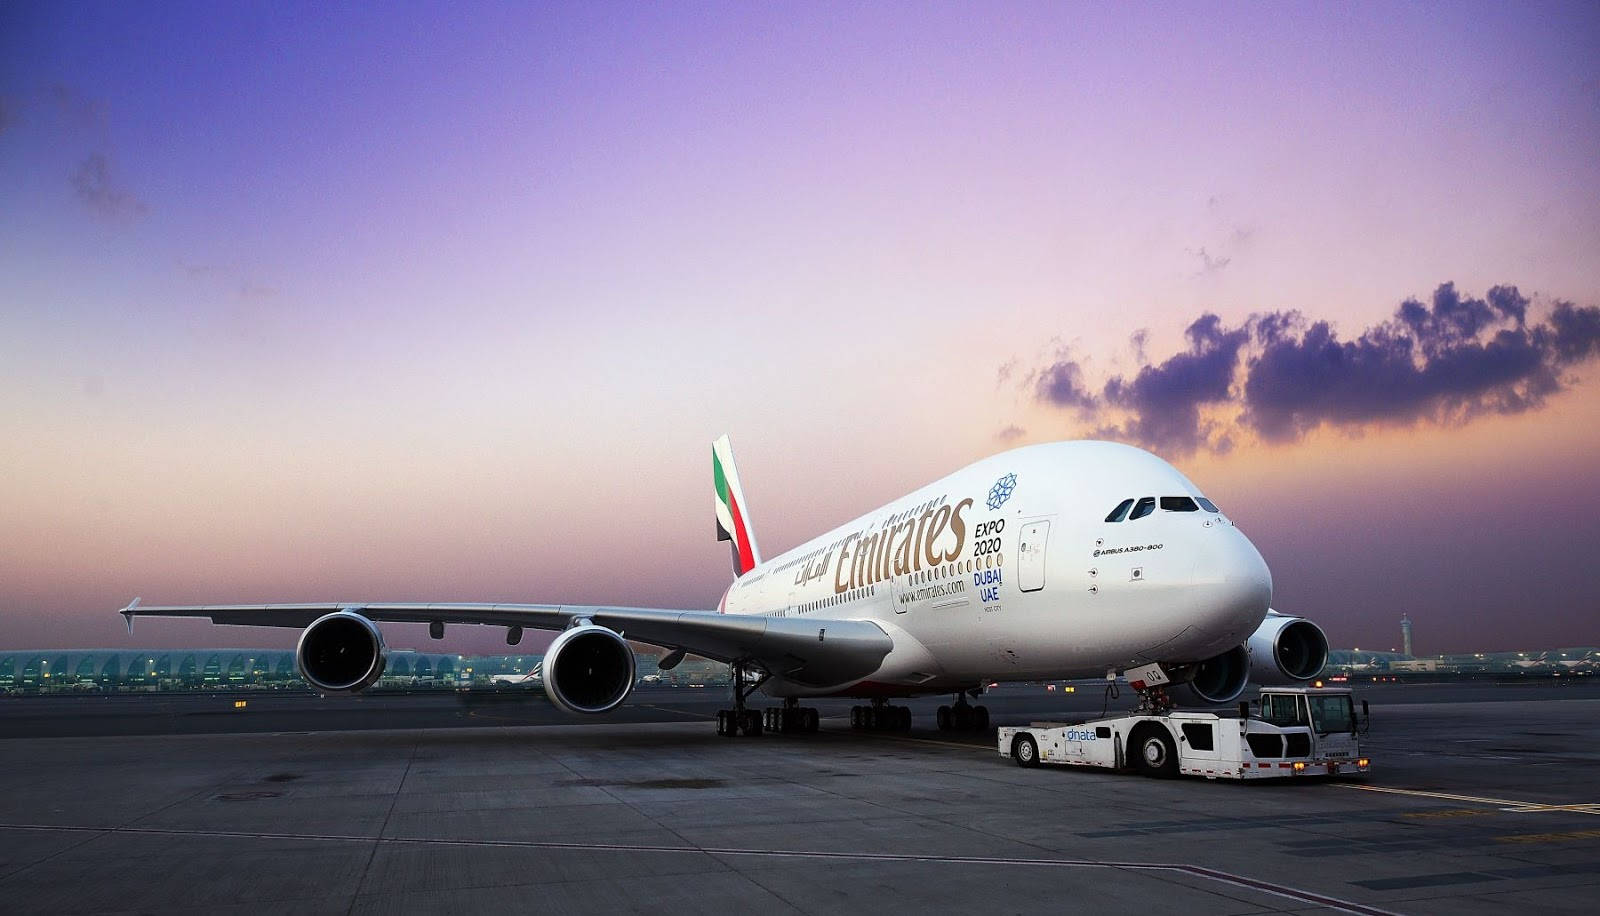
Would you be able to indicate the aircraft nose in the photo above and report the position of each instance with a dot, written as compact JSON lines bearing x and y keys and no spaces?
{"x":1236,"y":582}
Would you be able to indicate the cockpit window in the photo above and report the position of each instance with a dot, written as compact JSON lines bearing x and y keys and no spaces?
{"x":1178,"y":504}
{"x":1207,"y":504}
{"x":1145,"y":506}
{"x":1121,"y":511}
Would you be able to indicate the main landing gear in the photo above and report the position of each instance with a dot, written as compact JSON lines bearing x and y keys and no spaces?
{"x":880,"y":717}
{"x":963,"y":717}
{"x":790,"y":718}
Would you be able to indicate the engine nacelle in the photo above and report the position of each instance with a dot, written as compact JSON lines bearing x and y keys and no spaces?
{"x":1219,"y":681}
{"x":1286,"y":650}
{"x":588,"y":669}
{"x":341,"y":653}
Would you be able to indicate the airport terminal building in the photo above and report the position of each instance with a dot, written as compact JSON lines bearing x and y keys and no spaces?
{"x":86,"y":670}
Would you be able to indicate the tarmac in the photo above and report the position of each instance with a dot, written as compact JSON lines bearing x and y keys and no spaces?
{"x":1481,"y":799}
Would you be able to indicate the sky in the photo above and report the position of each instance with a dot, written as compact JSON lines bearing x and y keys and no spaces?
{"x":410,"y":301}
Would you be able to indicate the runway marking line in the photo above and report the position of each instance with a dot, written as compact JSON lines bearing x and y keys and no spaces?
{"x":1505,"y":804}
{"x":1457,"y":812}
{"x":1549,"y":837}
{"x":1210,"y":874}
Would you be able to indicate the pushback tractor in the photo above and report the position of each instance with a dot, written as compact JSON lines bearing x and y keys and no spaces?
{"x":1287,"y":732}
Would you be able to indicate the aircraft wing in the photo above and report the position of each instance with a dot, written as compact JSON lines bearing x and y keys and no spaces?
{"x":808,"y":650}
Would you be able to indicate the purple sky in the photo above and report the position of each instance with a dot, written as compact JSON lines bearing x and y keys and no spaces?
{"x":419,"y":301}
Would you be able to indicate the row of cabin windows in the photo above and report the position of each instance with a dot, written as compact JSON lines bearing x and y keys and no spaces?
{"x":832,"y":600}
{"x":1130,"y":509}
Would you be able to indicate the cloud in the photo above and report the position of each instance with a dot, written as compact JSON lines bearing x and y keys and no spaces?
{"x":96,"y":187}
{"x":1280,"y":375}
{"x":1005,"y":372}
{"x":1011,"y":433}
{"x":1446,"y":362}
{"x":1164,"y":400}
{"x":1209,"y":264}
{"x":1574,"y":332}
{"x":1060,"y":384}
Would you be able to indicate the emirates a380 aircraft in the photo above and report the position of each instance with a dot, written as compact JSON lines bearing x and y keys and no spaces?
{"x":1055,"y":561}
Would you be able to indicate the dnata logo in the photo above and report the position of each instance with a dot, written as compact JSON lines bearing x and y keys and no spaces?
{"x":1001,"y":491}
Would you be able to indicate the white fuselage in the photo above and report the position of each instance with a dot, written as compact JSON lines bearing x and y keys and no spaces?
{"x":1008,"y":570}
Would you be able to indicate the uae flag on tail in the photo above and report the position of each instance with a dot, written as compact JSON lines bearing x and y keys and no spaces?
{"x":733,"y":520}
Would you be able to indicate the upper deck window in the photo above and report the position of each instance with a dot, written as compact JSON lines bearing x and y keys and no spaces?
{"x":1145,"y":506}
{"x":1207,"y":504}
{"x":1178,"y":504}
{"x":1121,"y":511}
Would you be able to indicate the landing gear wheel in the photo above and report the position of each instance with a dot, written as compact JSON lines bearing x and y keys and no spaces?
{"x":751,"y":724}
{"x":1025,"y":751}
{"x":961,"y":717}
{"x":1154,"y":753}
{"x":943,"y":718}
{"x":981,"y":716}
{"x":812,"y":720}
{"x":905,"y":718}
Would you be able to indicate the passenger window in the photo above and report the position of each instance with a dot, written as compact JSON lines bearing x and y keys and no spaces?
{"x":1145,"y":506}
{"x":1207,"y":504}
{"x":1178,"y":504}
{"x":1121,"y":511}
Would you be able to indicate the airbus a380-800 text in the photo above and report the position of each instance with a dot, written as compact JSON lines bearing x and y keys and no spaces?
{"x":1061,"y":560}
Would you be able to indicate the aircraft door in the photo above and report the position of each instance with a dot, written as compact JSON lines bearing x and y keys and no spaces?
{"x":1030,"y":555}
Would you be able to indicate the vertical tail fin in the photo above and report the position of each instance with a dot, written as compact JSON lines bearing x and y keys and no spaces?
{"x":733,"y":520}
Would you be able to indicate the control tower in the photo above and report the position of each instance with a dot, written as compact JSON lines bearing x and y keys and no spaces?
{"x":1405,"y":635}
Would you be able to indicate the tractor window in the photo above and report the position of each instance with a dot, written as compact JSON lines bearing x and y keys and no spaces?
{"x":1332,"y":713}
{"x":1145,"y":506}
{"x":1121,"y":511}
{"x":1281,"y":709}
{"x":1199,"y":736}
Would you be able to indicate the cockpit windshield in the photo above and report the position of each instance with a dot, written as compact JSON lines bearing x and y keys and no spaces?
{"x":1121,"y":511}
{"x":1130,"y":509}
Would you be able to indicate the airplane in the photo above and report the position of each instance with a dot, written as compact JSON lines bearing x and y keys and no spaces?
{"x":519,"y":680}
{"x":1055,"y":561}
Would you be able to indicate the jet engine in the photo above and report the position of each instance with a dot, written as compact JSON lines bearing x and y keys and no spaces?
{"x":1219,"y":681}
{"x":341,"y":653}
{"x":1286,"y":650}
{"x":588,"y":669}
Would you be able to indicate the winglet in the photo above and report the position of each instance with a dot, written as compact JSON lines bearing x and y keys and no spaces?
{"x":128,"y":612}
